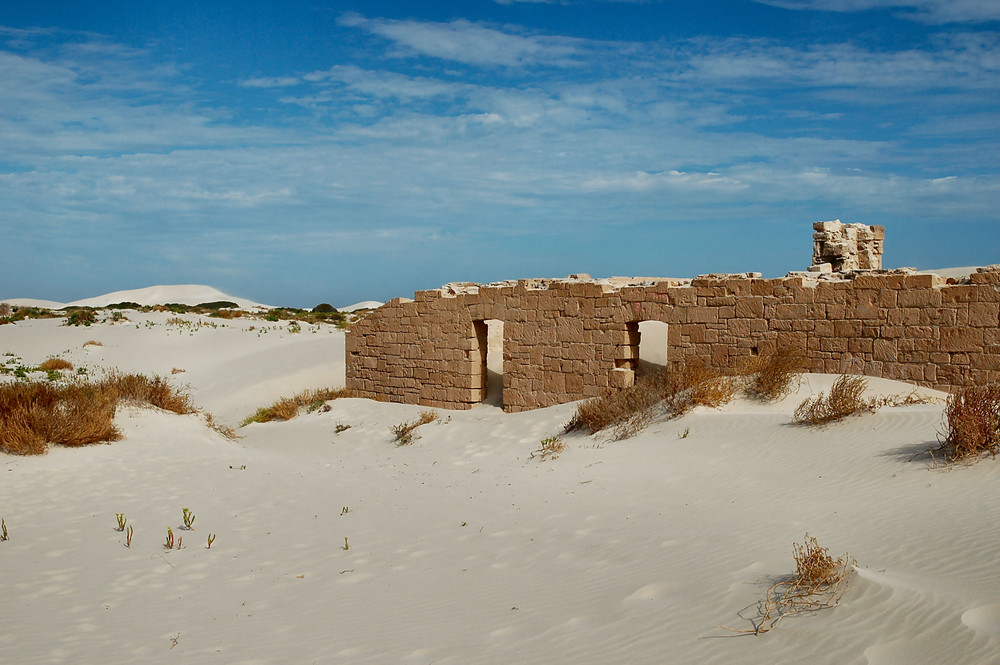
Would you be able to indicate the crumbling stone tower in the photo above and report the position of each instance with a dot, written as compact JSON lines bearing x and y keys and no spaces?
{"x":841,"y":247}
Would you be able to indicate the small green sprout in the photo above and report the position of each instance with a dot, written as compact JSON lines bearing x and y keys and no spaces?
{"x":170,"y":539}
{"x":3,"y":531}
{"x":121,"y":521}
{"x":345,"y":510}
{"x":211,"y":539}
{"x":684,"y":434}
{"x":188,"y":519}
{"x":346,"y":546}
{"x":128,"y":536}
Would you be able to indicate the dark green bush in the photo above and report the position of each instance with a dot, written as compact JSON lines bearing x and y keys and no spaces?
{"x":217,"y":304}
{"x":81,"y":316}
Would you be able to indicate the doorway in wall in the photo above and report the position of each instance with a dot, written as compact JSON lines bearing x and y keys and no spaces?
{"x":652,"y":347}
{"x":489,"y":334}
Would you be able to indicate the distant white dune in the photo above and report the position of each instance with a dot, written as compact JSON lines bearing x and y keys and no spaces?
{"x":33,"y":302}
{"x":956,"y":273}
{"x":184,"y":294}
{"x":365,"y":304}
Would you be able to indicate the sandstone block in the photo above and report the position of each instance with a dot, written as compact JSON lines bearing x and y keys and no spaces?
{"x":621,"y":378}
{"x":984,"y":315}
{"x":961,"y":339}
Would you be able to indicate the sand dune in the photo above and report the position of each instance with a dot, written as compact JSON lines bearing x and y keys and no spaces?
{"x":462,"y":549}
{"x":184,"y":294}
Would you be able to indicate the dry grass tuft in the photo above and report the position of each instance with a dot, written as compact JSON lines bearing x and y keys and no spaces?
{"x":673,"y":392}
{"x":92,"y":342}
{"x":819,"y":583}
{"x":155,"y":391}
{"x":972,"y":421}
{"x":404,"y":433}
{"x":34,"y":414}
{"x":701,"y":385}
{"x":287,"y":408}
{"x":56,"y":364}
{"x":772,"y":376}
{"x":628,"y":410}
{"x":845,"y":399}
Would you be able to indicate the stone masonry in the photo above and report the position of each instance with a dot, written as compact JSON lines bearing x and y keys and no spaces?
{"x":575,"y":338}
{"x":841,"y":247}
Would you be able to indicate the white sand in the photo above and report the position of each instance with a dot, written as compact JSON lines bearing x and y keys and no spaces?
{"x":462,"y":549}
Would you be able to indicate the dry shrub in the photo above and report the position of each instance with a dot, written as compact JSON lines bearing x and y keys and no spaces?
{"x":909,"y":399}
{"x":972,"y":421}
{"x":155,"y":391}
{"x":224,"y":430}
{"x":56,"y":364}
{"x":819,"y":583}
{"x":84,"y":415}
{"x":629,"y":410}
{"x":404,"y":433}
{"x":23,"y":411}
{"x":35,"y":414}
{"x":675,"y":392}
{"x":287,"y":408}
{"x":92,"y":342}
{"x":845,"y":399}
{"x":700,"y":385}
{"x":772,"y":376}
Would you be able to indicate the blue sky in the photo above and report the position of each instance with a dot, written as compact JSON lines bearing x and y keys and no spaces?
{"x":323,"y":151}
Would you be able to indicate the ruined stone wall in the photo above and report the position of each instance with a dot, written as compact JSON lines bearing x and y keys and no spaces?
{"x":571,"y":339}
{"x":839,"y":247}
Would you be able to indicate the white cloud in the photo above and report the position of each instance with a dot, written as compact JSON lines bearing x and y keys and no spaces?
{"x":270,"y":82}
{"x":745,"y":63}
{"x":929,"y":11}
{"x":470,"y":43}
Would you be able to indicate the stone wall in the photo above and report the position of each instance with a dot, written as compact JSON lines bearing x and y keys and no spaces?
{"x":575,"y":338}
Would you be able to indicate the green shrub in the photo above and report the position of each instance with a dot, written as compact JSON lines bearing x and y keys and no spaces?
{"x":84,"y":316}
{"x":217,"y":304}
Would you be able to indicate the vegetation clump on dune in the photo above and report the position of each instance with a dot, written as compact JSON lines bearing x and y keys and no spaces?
{"x":287,"y":408}
{"x":56,"y":364}
{"x":405,"y":433}
{"x":846,"y":398}
{"x":673,"y":392}
{"x":820,"y":582}
{"x":13,"y":314}
{"x":772,"y":376}
{"x":34,"y":414}
{"x":972,"y":423}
